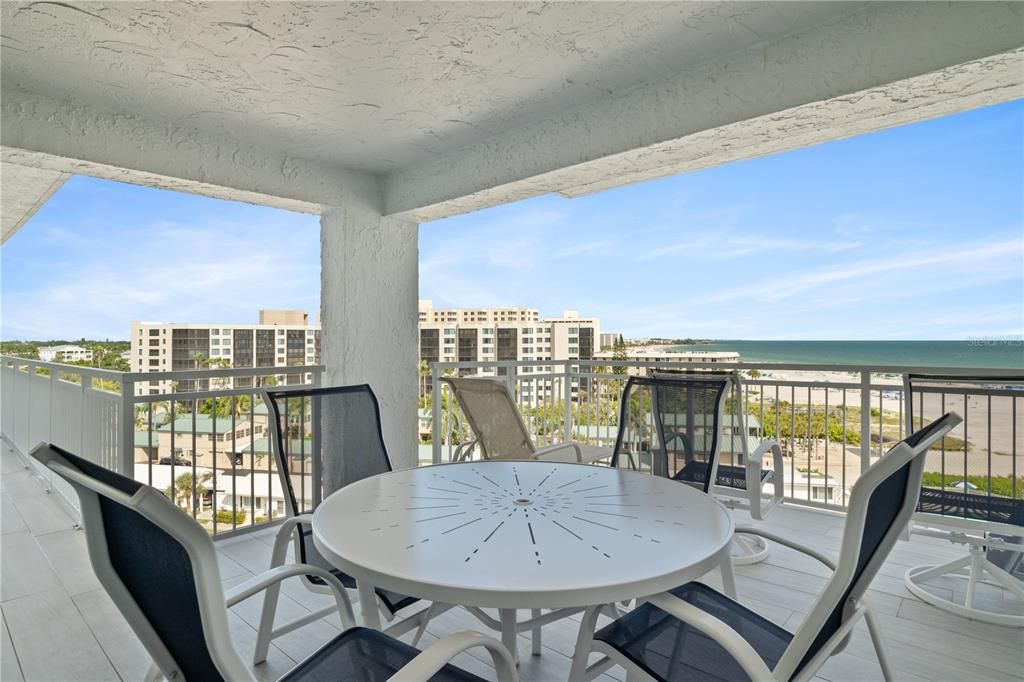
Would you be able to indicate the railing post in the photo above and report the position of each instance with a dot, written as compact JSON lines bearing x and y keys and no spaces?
{"x":127,"y":444}
{"x":567,"y":391}
{"x":435,"y":417}
{"x":865,"y":421}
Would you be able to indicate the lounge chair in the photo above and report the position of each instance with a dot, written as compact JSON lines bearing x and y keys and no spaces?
{"x":499,"y":429}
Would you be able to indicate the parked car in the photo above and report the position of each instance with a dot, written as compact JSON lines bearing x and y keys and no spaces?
{"x":177,"y":461}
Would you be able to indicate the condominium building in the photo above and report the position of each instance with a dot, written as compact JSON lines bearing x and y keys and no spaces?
{"x":283,"y":338}
{"x":502,"y":334}
{"x":659,"y":356}
{"x":496,"y":335}
{"x":65,"y":354}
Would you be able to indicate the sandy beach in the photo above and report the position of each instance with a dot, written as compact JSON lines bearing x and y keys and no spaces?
{"x":993,"y":426}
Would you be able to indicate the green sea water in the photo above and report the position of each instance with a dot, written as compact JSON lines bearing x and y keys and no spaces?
{"x":987,"y":353}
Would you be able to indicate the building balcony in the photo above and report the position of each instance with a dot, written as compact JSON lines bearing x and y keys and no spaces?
{"x":50,"y":593}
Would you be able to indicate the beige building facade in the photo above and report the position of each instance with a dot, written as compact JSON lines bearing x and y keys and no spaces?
{"x":283,"y":338}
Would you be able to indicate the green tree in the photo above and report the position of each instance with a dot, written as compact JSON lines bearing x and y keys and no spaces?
{"x":188,"y":489}
{"x":620,"y":355}
{"x":423,"y":369}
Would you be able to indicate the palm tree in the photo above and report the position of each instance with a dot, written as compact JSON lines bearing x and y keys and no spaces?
{"x":188,"y":488}
{"x":424,"y":372}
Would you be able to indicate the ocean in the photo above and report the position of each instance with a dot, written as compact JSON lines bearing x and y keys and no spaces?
{"x":1000,"y":354}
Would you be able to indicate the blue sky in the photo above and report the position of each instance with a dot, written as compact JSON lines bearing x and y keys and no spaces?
{"x":911,"y":233}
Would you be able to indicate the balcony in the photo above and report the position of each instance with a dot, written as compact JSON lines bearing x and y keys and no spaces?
{"x":376,"y":117}
{"x":50,"y":595}
{"x":47,"y":580}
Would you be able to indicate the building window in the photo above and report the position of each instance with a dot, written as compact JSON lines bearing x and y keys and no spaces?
{"x":215,"y":332}
{"x":574,"y":339}
{"x":574,"y":349}
{"x":574,"y":330}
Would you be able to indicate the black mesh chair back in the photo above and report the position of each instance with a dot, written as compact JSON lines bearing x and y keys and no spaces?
{"x":669,"y":424}
{"x":974,"y":473}
{"x":323,"y":440}
{"x":873,"y":526}
{"x":145,"y":569}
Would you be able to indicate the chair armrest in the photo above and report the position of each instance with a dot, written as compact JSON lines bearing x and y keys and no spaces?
{"x":276,"y":575}
{"x":729,"y":639}
{"x":464,"y":451}
{"x":284,"y":535}
{"x":754,"y":474}
{"x":542,"y":453}
{"x":682,"y":437}
{"x":792,"y":544}
{"x":435,"y":656}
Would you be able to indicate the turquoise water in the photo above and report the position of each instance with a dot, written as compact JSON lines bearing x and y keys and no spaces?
{"x":981,"y":354}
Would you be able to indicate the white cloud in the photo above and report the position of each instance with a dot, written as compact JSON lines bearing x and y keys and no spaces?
{"x":210,"y":271}
{"x":991,"y":257}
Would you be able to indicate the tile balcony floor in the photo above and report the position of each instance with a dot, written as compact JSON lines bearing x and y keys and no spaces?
{"x":59,"y":624}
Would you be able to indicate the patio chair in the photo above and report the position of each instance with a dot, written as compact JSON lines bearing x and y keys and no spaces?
{"x":674,"y":425}
{"x":301,"y":421}
{"x":953,"y":507}
{"x":160,"y":569}
{"x":695,"y":632}
{"x":499,"y":429}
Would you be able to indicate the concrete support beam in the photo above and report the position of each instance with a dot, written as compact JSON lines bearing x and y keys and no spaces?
{"x":23,"y":190}
{"x":369,"y":289}
{"x":74,"y":138}
{"x":886,"y":64}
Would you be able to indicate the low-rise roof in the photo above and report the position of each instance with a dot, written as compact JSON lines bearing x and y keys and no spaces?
{"x":204,"y":424}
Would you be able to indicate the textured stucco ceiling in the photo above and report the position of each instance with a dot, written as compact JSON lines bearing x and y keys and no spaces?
{"x":22,"y":191}
{"x":372,"y":87}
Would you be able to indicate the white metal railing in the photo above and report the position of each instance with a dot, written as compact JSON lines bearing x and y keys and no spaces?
{"x":76,"y":408}
{"x":157,"y":438}
{"x":831,"y":421}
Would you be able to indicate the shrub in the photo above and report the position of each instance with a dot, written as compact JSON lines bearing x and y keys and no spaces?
{"x":1001,"y":485}
{"x":227,"y":517}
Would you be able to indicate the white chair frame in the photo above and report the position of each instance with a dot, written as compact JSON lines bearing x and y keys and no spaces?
{"x":212,"y":600}
{"x":843,"y":573}
{"x":977,"y":535}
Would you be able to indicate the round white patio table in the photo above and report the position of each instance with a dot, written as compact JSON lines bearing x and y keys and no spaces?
{"x":521,"y":535}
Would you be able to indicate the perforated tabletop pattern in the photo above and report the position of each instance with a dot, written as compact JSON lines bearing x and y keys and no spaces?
{"x":522,"y":528}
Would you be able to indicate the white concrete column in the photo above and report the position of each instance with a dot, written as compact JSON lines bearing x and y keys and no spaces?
{"x":369,"y":315}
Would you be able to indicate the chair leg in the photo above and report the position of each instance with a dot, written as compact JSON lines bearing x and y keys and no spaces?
{"x":266,"y":626}
{"x":426,"y":615}
{"x":584,"y":642}
{"x":878,"y":641}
